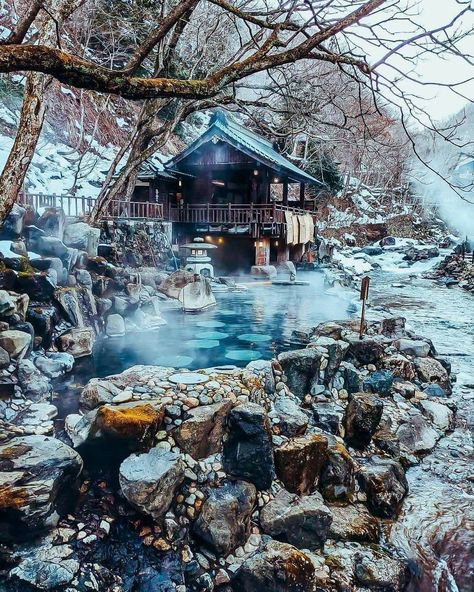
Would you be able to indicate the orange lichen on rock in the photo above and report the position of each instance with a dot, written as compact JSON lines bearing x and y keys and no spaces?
{"x":129,"y":421}
{"x":12,"y":498}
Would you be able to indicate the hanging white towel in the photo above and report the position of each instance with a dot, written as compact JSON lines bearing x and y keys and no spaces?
{"x":289,"y":228}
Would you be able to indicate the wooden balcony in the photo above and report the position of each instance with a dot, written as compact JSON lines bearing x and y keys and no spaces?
{"x":235,"y":214}
{"x":82,"y":206}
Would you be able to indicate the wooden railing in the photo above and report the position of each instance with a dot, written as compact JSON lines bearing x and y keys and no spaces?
{"x":71,"y":204}
{"x":142,"y":210}
{"x":243,"y":214}
{"x":82,"y":206}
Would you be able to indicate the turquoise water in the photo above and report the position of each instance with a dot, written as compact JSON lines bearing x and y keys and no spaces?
{"x":254,"y":324}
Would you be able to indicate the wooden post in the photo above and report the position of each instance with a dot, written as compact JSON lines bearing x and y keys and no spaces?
{"x":364,"y":293}
{"x":285,"y":192}
{"x":302,"y":201}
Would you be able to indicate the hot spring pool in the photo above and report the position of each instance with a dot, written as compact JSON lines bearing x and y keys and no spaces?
{"x":244,"y":326}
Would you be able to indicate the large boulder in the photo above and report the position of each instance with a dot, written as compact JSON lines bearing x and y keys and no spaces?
{"x":83,"y":237}
{"x":200,"y":435}
{"x":174,"y":283}
{"x":53,"y":221}
{"x":248,"y":452}
{"x":413,"y":347}
{"x":361,"y":419}
{"x":432,"y":371}
{"x":354,"y":523}
{"x":379,"y":382}
{"x":302,"y":521}
{"x":77,"y":342}
{"x":416,"y":435}
{"x":43,"y":318}
{"x":148,"y":481}
{"x":292,"y":421}
{"x":54,"y":364}
{"x":37,"y":484}
{"x":385,"y":485}
{"x":197,"y":295}
{"x":12,"y":226}
{"x":365,"y":351}
{"x":337,"y":482}
{"x":132,"y":424}
{"x":264,"y":271}
{"x":376,"y":570}
{"x":16,"y":343}
{"x":224,"y":521}
{"x":277,"y":567}
{"x":299,"y":461}
{"x":301,"y":368}
{"x":115,"y":325}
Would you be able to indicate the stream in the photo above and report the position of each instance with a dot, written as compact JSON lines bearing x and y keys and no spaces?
{"x":436,"y":525}
{"x":435,"y":528}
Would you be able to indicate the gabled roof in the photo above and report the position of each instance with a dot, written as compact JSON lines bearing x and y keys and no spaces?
{"x":228,"y":130}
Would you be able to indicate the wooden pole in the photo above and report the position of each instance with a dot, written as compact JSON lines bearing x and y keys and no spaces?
{"x":364,"y":293}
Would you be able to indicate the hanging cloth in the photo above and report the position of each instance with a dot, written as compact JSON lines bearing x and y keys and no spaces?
{"x":289,"y":228}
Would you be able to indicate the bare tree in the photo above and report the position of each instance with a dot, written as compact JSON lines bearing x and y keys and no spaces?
{"x":173,"y":63}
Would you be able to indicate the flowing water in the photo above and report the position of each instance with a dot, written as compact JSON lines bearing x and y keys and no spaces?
{"x":436,"y":526}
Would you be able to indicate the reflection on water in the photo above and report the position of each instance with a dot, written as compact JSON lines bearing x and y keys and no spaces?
{"x":244,"y":326}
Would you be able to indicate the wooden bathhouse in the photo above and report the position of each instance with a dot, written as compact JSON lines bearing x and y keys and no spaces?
{"x":232,"y":187}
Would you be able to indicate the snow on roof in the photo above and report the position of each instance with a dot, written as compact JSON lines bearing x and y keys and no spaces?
{"x":227,"y":129}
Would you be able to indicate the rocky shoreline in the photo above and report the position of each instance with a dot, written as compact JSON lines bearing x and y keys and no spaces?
{"x":455,"y":270}
{"x":284,"y":475}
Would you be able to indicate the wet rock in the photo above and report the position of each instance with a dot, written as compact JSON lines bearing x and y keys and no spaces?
{"x":43,"y":319}
{"x":264,"y":271}
{"x":224,"y":521}
{"x":327,"y":417}
{"x":337,"y":483}
{"x":148,"y":481}
{"x":53,"y":221}
{"x":378,"y":571}
{"x":393,"y":326}
{"x":416,"y":435}
{"x":400,"y":366}
{"x":248,"y":453}
{"x":197,"y":295}
{"x":77,"y":342}
{"x":7,"y":278}
{"x":200,"y":435}
{"x":16,"y":343}
{"x":365,"y":351}
{"x":39,"y":286}
{"x":385,"y":485}
{"x":12,"y":226}
{"x":418,"y":254}
{"x":353,"y":378}
{"x":301,"y":521}
{"x":134,"y":424}
{"x":353,"y":523}
{"x":299,"y":461}
{"x":301,"y":368}
{"x":38,"y":477}
{"x":361,"y":418}
{"x":97,"y":392}
{"x":440,"y":415}
{"x":278,"y":567}
{"x":174,"y":283}
{"x":7,"y":304}
{"x":54,"y":364}
{"x":434,"y":390}
{"x":431,"y":370}
{"x":292,"y":420}
{"x":47,"y":568}
{"x":34,"y":384}
{"x":115,"y":326}
{"x":7,"y":388}
{"x":83,"y":237}
{"x":379,"y":382}
{"x":336,"y":351}
{"x":4,"y":358}
{"x":412,"y":347}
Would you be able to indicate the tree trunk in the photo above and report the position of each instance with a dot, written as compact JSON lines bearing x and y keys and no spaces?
{"x":32,"y":114}
{"x":140,"y":150}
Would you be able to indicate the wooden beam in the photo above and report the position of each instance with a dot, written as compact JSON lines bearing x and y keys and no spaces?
{"x":302,"y":201}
